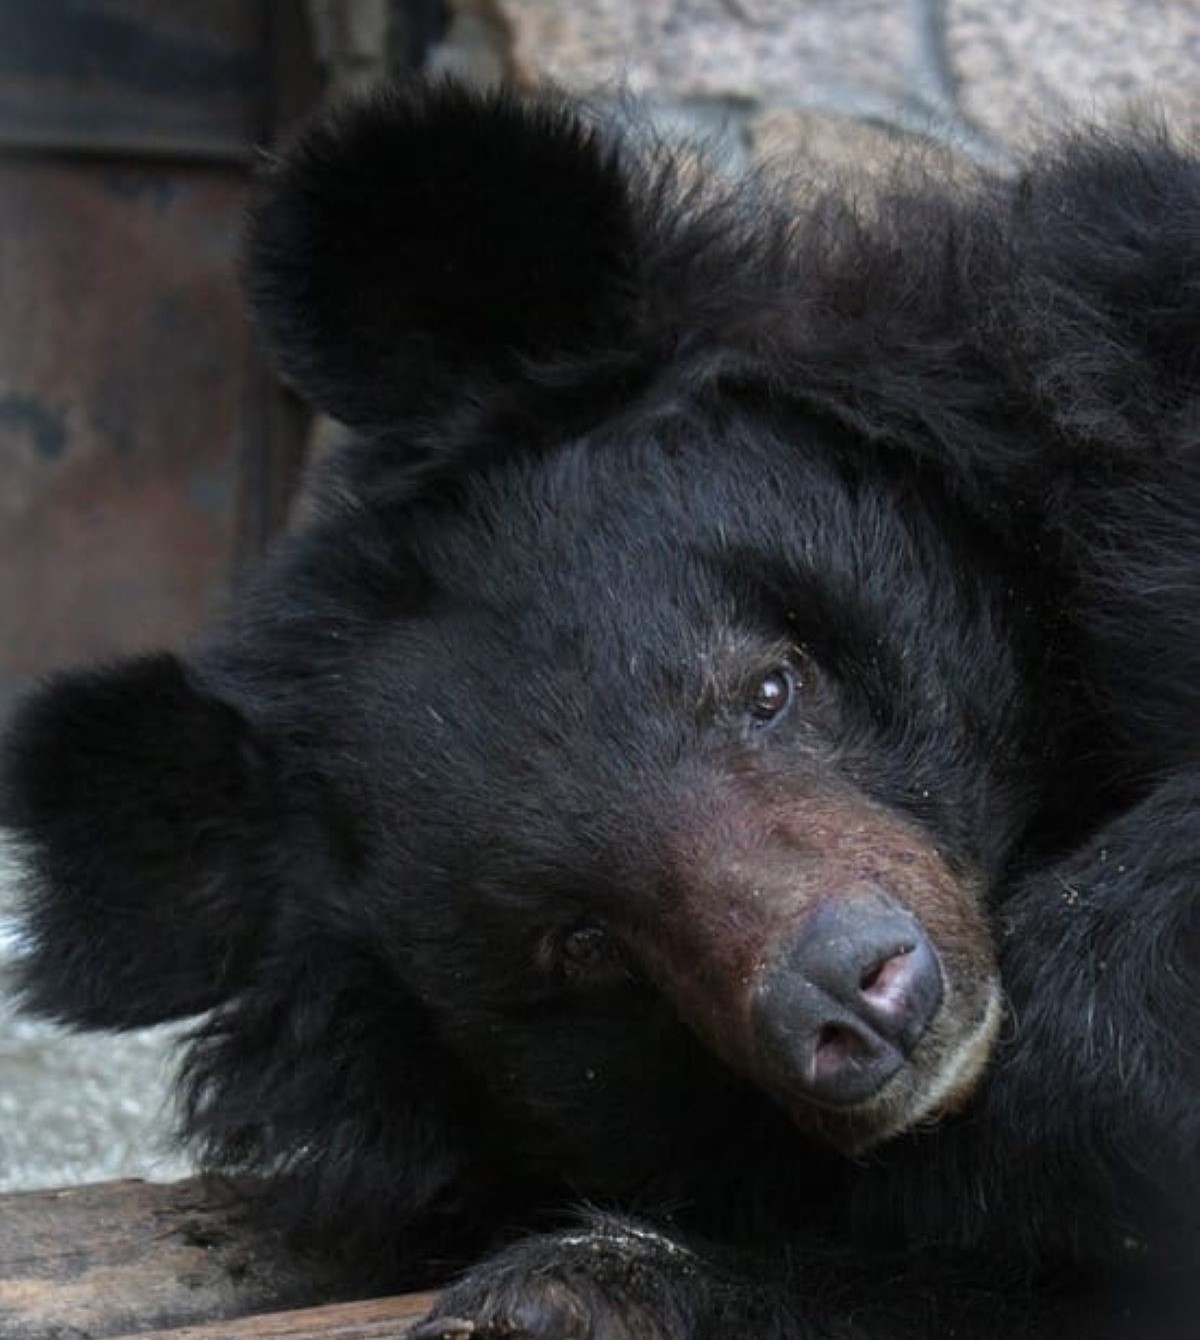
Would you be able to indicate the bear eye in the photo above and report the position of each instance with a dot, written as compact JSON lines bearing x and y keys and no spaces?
{"x":772,"y":696}
{"x":588,"y":958}
{"x":586,"y":947}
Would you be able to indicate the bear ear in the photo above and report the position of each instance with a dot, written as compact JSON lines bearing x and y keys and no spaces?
{"x":423,"y":249}
{"x":135,"y":800}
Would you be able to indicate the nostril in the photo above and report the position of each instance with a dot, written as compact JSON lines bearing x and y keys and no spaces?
{"x":899,"y":993}
{"x":885,"y":978}
{"x":847,"y":1061}
{"x":837,"y":1047}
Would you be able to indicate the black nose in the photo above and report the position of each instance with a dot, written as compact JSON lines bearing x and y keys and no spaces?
{"x":839,"y":1012}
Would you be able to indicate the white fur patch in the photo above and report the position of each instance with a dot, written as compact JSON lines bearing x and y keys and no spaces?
{"x":964,"y":1065}
{"x":627,"y":1240}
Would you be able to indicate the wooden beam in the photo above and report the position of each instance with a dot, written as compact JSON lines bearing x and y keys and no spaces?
{"x":373,"y":1319}
{"x":137,"y":1258}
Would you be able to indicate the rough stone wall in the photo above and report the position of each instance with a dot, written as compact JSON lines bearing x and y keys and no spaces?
{"x":847,"y":80}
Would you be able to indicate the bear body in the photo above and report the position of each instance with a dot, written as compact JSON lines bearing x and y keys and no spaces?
{"x":725,"y":751}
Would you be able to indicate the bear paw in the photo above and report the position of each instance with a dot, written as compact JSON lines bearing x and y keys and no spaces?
{"x":608,"y":1283}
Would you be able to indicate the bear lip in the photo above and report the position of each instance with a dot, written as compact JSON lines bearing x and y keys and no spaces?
{"x":955,"y":1079}
{"x":901,"y":1105}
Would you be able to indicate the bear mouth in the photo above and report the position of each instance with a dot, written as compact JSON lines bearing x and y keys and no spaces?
{"x":905,"y":1073}
{"x":940,"y":1079}
{"x":953,"y":1082}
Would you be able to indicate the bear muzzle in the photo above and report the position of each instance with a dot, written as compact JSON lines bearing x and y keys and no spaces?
{"x":826,"y":951}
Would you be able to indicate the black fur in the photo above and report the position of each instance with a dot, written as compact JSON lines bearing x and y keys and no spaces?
{"x":415,"y":823}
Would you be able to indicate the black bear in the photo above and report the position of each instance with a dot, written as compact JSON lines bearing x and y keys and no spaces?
{"x":724,"y":754}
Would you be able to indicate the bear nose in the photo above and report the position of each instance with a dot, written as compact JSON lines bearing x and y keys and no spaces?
{"x":839,"y":1012}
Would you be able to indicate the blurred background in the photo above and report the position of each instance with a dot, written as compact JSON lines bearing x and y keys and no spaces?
{"x":147,"y":452}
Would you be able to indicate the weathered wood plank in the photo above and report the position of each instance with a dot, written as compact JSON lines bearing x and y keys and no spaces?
{"x":129,"y":1257}
{"x":376,"y":1319}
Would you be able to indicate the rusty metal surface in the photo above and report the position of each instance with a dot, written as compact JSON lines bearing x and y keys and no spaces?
{"x":130,"y":402}
{"x":185,"y":77}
